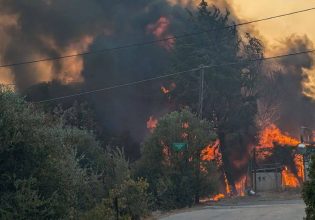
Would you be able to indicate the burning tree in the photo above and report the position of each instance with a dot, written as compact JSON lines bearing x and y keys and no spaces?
{"x":230,"y":92}
{"x":176,"y":172}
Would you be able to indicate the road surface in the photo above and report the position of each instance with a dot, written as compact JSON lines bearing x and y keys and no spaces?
{"x":269,"y":210}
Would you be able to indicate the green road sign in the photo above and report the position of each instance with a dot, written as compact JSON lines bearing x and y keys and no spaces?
{"x":179,"y":146}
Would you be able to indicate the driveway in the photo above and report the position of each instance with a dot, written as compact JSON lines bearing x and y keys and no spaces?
{"x":268,"y":210}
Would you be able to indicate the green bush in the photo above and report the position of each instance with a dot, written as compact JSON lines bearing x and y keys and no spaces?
{"x":129,"y":201}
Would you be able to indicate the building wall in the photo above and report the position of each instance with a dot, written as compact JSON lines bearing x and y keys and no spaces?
{"x":268,"y":181}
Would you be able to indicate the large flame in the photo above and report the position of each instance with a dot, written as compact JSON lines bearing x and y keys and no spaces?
{"x":212,"y":152}
{"x":289,"y":179}
{"x":272,"y":134}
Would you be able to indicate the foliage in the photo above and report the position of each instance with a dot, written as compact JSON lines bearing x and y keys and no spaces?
{"x":128,"y":200}
{"x":174,"y":176}
{"x":78,"y":115}
{"x":49,"y":170}
{"x":309,"y":192}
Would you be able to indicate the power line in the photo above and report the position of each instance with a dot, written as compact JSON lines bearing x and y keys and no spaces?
{"x":174,"y":74}
{"x":151,"y":42}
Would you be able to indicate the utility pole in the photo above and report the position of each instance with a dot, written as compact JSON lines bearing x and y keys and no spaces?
{"x":201,"y":90}
{"x":201,"y":98}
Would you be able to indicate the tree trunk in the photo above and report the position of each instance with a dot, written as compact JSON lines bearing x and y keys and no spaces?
{"x":226,"y":162}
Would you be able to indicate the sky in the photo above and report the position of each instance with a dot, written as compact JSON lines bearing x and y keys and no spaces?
{"x":276,"y":30}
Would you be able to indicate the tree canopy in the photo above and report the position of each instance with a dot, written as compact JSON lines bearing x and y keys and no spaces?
{"x":230,"y":90}
{"x":51,"y":171}
{"x":177,"y":175}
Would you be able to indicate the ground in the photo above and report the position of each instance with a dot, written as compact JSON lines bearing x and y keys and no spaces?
{"x":266,"y":207}
{"x":287,"y":210}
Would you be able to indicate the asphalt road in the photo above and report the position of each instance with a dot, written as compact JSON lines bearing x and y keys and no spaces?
{"x":285,"y":210}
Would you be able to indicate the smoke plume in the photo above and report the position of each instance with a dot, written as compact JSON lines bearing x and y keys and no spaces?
{"x":291,"y":83}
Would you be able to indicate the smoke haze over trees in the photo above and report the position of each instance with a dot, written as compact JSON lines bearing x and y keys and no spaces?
{"x":31,"y":30}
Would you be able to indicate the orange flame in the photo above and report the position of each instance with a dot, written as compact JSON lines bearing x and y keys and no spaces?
{"x":165,"y":90}
{"x":217,"y":197}
{"x":168,"y":90}
{"x":152,"y":123}
{"x":272,"y":134}
{"x":211,"y":152}
{"x":299,"y":163}
{"x":227,"y":186}
{"x":240,"y":186}
{"x":289,"y":179}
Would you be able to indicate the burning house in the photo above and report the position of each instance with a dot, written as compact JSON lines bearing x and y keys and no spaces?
{"x":278,"y":162}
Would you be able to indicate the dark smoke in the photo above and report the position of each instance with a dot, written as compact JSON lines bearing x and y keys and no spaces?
{"x":294,"y":108}
{"x":111,"y":24}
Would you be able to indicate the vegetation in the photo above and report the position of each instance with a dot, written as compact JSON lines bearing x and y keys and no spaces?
{"x":51,"y":171}
{"x":178,"y":177}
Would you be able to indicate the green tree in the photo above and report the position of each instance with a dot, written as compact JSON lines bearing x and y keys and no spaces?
{"x":33,"y":151}
{"x":177,"y":177}
{"x":231,"y":92}
{"x":49,"y":170}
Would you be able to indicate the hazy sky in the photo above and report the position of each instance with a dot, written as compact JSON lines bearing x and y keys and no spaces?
{"x":277,"y":29}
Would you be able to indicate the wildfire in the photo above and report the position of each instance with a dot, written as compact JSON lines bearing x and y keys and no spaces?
{"x":298,"y":160}
{"x":168,"y":90}
{"x":227,"y":185}
{"x":165,"y":90}
{"x":240,"y":186}
{"x":152,"y":123}
{"x":272,"y":134}
{"x":289,"y":179}
{"x":217,"y":197}
{"x":211,"y":152}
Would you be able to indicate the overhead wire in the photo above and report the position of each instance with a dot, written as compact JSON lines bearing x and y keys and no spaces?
{"x":152,"y":41}
{"x":174,"y":74}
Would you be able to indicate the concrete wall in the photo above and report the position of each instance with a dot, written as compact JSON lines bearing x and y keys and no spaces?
{"x":268,"y":181}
